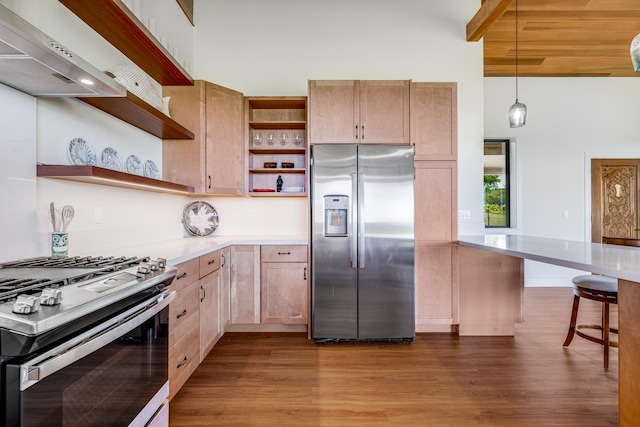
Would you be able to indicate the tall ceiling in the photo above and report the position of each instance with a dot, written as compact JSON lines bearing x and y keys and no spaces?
{"x":561,"y":38}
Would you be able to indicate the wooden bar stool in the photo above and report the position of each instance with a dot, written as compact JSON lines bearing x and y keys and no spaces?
{"x":603,"y":289}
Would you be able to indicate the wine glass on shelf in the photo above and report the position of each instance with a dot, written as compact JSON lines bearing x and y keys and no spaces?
{"x":257,"y":138}
{"x":283,"y":138}
{"x":297,"y":138}
{"x":270,"y":138}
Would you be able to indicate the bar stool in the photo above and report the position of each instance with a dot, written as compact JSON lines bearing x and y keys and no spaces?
{"x":603,"y":289}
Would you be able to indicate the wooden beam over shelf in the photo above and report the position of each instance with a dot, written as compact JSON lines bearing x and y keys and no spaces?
{"x":488,"y":13}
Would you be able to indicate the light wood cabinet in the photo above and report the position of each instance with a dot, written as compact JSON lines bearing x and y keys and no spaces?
{"x":225,"y":289}
{"x":284,"y":290}
{"x":436,"y":201}
{"x":276,"y":133}
{"x":213,"y":162}
{"x":359,"y":111}
{"x":184,"y":325}
{"x":245,"y":285}
{"x":434,"y":120}
{"x":210,"y":325}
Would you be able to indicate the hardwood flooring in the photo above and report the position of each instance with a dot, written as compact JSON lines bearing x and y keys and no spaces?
{"x":438,"y":380}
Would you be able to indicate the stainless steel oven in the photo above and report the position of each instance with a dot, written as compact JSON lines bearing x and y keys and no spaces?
{"x":101,"y":365}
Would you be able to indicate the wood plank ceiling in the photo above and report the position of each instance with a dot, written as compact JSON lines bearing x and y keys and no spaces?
{"x":560,"y":38}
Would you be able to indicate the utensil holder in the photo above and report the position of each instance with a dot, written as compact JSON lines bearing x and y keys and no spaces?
{"x":59,"y":244}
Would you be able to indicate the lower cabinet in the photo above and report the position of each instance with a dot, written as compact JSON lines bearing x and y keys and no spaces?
{"x":284,"y":286}
{"x":245,"y":285}
{"x":210,"y":330}
{"x":225,"y":288}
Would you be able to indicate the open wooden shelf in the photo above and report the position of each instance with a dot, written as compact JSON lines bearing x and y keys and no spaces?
{"x":275,"y":194}
{"x":138,"y":113}
{"x":112,"y":178}
{"x":286,"y":124}
{"x":277,"y":150}
{"x":277,"y":170}
{"x":120,"y":27}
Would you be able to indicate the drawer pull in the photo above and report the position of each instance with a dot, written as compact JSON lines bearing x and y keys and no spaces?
{"x":213,"y":261}
{"x":284,"y":253}
{"x":184,"y":313}
{"x":182,"y":363}
{"x":182,"y":276}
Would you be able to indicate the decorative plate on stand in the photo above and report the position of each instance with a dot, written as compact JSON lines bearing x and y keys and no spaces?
{"x":200,"y":218}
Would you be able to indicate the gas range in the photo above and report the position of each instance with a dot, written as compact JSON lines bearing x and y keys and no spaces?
{"x":48,"y":297}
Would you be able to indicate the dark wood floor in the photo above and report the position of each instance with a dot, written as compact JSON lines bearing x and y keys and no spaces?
{"x":439,"y":380}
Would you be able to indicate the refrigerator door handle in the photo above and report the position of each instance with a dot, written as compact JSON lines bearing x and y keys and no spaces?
{"x":361,"y":220}
{"x":353,"y":248}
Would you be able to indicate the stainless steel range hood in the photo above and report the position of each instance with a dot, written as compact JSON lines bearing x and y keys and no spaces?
{"x":32,"y":62}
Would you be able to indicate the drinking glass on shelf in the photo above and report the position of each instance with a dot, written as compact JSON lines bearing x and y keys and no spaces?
{"x":270,"y":138}
{"x":257,"y":138}
{"x":297,"y":138}
{"x":283,"y":138}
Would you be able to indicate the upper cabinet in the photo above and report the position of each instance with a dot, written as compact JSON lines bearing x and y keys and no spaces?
{"x":213,"y":162}
{"x":359,"y":112}
{"x":119,"y":26}
{"x":434,"y":121}
{"x":276,"y":144}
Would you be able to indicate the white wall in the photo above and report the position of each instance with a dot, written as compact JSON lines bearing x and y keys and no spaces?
{"x":569,"y":122}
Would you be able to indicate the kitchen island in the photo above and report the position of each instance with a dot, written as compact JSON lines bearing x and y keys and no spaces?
{"x":492,"y":282}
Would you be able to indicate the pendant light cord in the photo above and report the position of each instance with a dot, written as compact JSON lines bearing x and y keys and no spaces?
{"x":516,"y":51}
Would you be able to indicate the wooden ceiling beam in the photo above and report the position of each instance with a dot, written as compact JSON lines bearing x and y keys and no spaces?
{"x":488,"y":13}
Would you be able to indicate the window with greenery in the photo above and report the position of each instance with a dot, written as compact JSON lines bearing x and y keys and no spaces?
{"x":496,"y":183}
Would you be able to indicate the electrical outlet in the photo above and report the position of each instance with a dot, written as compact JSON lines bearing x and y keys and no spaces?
{"x":252,"y":214}
{"x":97,"y":214}
{"x":565,"y":214}
{"x":464,"y":214}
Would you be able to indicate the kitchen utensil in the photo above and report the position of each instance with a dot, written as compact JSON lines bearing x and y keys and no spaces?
{"x":54,"y":217}
{"x":283,"y":138}
{"x":67,"y":215}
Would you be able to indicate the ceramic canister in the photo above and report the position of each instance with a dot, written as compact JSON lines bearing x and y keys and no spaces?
{"x":59,"y":243}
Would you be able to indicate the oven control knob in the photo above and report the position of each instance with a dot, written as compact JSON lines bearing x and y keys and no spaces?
{"x":144,"y":268}
{"x":26,"y":304}
{"x":153,"y":265}
{"x":50,"y":296}
{"x":162,"y":263}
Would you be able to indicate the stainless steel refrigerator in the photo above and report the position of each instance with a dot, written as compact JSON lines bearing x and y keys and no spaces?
{"x":362,"y":243}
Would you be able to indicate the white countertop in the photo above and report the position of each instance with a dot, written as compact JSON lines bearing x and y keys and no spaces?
{"x":180,"y":250}
{"x":618,"y":261}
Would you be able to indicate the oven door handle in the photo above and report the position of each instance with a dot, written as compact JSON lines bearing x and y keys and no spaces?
{"x":52,"y":361}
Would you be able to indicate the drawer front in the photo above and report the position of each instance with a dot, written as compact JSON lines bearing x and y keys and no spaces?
{"x":184,"y":312}
{"x":288,"y":253}
{"x":188,"y":272}
{"x":184,"y":358}
{"x":209,"y":263}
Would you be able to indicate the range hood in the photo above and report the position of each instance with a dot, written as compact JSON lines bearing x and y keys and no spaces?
{"x":32,"y":62}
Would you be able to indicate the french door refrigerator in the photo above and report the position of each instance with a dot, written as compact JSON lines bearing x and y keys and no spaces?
{"x":362,"y":243}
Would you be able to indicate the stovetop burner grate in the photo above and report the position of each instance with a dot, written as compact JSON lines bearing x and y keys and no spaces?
{"x":31,"y":276}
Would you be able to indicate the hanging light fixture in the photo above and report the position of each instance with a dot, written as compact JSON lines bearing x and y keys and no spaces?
{"x":518,"y":111}
{"x":635,"y":53}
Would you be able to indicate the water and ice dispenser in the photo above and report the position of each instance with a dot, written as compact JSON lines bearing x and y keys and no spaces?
{"x":336,"y":209}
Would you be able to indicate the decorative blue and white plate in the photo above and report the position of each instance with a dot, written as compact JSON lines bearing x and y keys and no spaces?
{"x":81,"y":153}
{"x":134,"y":165}
{"x":151,"y":170}
{"x":110,"y":159}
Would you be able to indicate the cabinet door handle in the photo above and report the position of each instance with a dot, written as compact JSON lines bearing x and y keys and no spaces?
{"x":356,"y":131}
{"x":204,"y":293}
{"x":209,"y":181}
{"x":284,"y":253}
{"x":182,"y":276}
{"x":224,"y":260}
{"x":305,"y":274}
{"x":362,"y":132}
{"x":182,"y":363}
{"x":184,"y":313}
{"x":213,"y":261}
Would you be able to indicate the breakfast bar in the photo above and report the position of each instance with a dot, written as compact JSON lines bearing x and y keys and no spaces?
{"x":492,"y":282}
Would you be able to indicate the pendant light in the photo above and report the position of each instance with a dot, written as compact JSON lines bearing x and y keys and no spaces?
{"x":518,"y":111}
{"x":635,"y":53}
